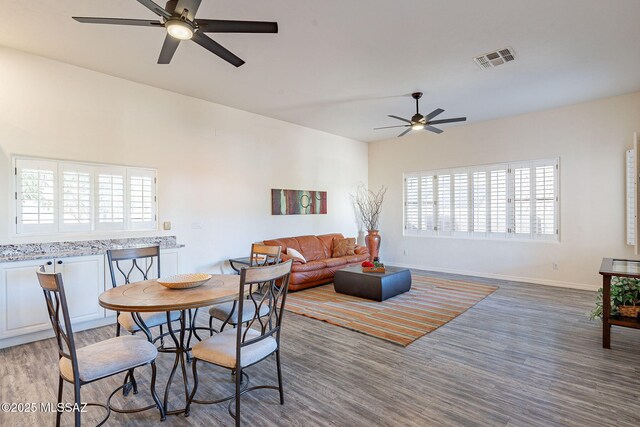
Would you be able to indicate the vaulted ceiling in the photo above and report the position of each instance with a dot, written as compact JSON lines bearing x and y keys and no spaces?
{"x":342,"y":66}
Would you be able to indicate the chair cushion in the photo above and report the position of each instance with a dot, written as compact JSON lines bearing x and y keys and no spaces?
{"x":221,"y":311}
{"x":109,"y":357}
{"x":220,"y":349}
{"x":150,"y":319}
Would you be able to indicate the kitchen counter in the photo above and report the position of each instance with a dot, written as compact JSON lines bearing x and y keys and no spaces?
{"x":33,"y":251}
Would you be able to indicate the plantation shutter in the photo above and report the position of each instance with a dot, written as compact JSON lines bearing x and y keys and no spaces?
{"x":545,"y":220}
{"x":411,"y":203}
{"x":479,"y":201}
{"x":36,"y":195}
{"x":521,"y":210}
{"x":110,"y":198}
{"x":142,"y":198}
{"x":498,"y":201}
{"x":444,"y":203}
{"x":461,"y":202}
{"x":75,"y":197}
{"x":507,"y":200}
{"x":427,"y":214}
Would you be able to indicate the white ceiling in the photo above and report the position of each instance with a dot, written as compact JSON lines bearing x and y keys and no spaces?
{"x":342,"y":65}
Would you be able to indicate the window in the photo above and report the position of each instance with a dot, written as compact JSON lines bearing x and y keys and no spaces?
{"x":56,"y":196}
{"x":510,"y":200}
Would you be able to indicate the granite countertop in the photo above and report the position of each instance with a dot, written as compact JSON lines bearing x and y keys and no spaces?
{"x":34,"y":251}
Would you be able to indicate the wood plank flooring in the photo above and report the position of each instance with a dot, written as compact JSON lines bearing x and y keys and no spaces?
{"x":525,"y":356}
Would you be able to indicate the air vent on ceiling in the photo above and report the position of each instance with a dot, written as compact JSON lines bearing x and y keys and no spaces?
{"x":495,"y":58}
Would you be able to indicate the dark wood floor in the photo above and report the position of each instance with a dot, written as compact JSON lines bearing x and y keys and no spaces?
{"x":526,"y":355}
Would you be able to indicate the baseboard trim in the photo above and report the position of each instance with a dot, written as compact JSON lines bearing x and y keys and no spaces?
{"x":537,"y":281}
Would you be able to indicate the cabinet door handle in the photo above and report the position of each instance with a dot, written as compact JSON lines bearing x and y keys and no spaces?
{"x":49,"y":262}
{"x":59,"y":261}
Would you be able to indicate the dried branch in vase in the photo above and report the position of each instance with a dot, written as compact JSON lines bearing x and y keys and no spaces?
{"x":369,"y":205}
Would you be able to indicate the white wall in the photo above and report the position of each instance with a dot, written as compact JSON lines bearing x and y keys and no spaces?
{"x":216,"y":165}
{"x":590,"y":139}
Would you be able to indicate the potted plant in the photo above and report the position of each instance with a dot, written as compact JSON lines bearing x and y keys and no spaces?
{"x":625,"y":298}
{"x":369,"y":205}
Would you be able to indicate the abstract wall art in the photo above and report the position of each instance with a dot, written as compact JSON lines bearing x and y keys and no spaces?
{"x":298,"y":202}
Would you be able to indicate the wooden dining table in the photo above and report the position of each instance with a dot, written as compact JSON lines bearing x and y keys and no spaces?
{"x":151,"y":296}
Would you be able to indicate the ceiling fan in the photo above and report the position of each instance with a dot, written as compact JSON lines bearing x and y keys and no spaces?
{"x":178,"y":19}
{"x":420,"y":122}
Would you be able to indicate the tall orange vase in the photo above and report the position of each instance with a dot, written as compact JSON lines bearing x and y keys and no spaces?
{"x":373,"y":244}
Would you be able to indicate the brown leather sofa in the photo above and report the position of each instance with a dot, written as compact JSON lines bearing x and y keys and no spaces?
{"x":317,"y":250}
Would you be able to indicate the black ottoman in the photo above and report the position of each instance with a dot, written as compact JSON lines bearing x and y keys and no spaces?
{"x":375,"y":286}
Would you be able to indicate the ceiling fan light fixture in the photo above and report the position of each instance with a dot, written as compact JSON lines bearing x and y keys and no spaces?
{"x":417,"y":126}
{"x":179,"y":29}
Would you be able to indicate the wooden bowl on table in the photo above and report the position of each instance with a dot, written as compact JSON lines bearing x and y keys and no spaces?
{"x":184,"y":281}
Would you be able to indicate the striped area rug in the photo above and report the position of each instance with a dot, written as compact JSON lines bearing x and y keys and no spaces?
{"x":429,"y":304}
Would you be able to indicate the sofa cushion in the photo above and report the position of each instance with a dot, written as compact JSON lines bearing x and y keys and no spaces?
{"x":327,"y":242}
{"x":311,"y":248}
{"x":312,"y":276}
{"x":284,"y":243}
{"x":343,"y":247}
{"x":309,"y":266}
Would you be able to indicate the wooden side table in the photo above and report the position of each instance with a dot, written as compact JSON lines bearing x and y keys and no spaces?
{"x":620,"y":268}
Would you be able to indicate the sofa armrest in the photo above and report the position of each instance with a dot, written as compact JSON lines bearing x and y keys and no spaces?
{"x":361,"y":250}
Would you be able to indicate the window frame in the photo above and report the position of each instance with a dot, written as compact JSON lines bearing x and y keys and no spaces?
{"x":510,"y":209}
{"x":94,"y":226}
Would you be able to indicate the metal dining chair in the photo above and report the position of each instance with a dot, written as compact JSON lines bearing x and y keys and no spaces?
{"x":227,"y":313}
{"x":143,"y":261}
{"x":81,"y":366}
{"x":240,"y":348}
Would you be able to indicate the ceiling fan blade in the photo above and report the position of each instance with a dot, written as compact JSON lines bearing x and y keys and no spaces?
{"x":434,"y":130}
{"x":389,"y":127}
{"x":216,"y":48}
{"x":457,"y":119}
{"x":400,"y":118}
{"x":168,"y":49}
{"x":149,"y":4}
{"x":118,"y":21}
{"x":190,"y":5}
{"x":405,"y":132}
{"x":223,"y":26}
{"x":432,"y":114}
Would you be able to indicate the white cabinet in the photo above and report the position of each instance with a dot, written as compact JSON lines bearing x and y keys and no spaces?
{"x":23,"y":311}
{"x":24,"y":306}
{"x":83,"y":279}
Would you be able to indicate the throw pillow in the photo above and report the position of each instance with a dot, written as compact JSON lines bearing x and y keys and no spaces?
{"x":296,"y":255}
{"x":343,"y":247}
